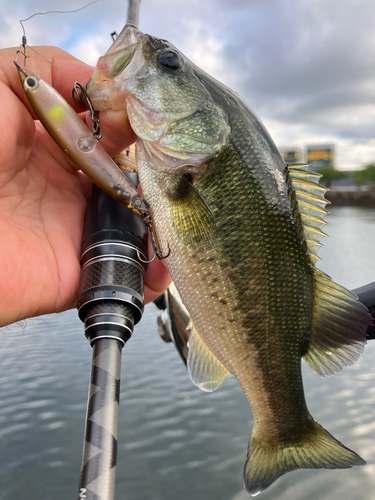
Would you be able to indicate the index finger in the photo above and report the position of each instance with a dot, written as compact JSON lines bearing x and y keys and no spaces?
{"x":61,"y":70}
{"x":56,"y":67}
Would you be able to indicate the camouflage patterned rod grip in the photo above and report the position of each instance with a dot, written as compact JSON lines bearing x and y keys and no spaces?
{"x":100,"y":447}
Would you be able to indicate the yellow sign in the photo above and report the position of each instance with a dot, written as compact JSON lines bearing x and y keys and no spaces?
{"x":320,"y":154}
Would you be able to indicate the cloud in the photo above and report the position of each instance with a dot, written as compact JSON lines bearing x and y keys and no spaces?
{"x":309,"y":64}
{"x":305,"y":67}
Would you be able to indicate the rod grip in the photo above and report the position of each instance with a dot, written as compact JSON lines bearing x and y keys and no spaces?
{"x":114,"y":252}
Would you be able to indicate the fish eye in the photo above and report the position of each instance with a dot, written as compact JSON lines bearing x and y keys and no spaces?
{"x":169,"y":59}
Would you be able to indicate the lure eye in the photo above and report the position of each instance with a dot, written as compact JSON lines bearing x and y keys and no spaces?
{"x":169,"y":59}
{"x":30,"y":83}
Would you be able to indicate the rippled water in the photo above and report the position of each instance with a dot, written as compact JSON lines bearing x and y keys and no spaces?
{"x":175,"y":442}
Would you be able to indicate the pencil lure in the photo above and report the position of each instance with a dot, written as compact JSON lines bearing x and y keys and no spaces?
{"x":77,"y":141}
{"x":243,"y":230}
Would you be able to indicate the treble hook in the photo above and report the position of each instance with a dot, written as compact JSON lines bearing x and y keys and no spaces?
{"x":154,"y":239}
{"x":94,"y":116}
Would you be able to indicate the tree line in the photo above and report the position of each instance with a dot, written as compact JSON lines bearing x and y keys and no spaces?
{"x":364,"y":176}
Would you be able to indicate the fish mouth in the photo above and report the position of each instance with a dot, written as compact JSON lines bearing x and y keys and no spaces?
{"x":102,"y":88}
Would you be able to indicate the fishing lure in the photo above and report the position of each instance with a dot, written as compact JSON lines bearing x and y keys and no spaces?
{"x":81,"y":146}
{"x":76,"y":140}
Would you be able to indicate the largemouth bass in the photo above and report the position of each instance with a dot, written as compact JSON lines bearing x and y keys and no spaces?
{"x":243,"y":231}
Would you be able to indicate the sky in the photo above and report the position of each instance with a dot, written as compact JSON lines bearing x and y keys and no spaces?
{"x":306,"y":67}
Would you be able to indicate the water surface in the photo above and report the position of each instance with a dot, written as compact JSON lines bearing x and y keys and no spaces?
{"x":175,"y":442}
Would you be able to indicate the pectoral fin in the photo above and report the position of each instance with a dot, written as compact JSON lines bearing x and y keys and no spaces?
{"x":204,"y":368}
{"x":192,"y":218}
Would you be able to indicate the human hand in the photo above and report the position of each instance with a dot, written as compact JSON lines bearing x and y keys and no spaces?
{"x":43,"y":197}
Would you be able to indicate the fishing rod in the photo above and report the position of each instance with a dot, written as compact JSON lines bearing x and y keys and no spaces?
{"x":114,"y":253}
{"x":113,"y":260}
{"x":133,"y":12}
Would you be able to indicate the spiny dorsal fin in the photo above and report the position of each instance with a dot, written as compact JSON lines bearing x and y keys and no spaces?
{"x":311,"y":203}
{"x":204,"y":368}
{"x":339,"y":320}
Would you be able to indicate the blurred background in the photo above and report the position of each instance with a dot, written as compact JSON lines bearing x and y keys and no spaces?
{"x":307,"y":69}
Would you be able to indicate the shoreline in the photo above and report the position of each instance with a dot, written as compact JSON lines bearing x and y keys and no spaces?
{"x":360,"y":196}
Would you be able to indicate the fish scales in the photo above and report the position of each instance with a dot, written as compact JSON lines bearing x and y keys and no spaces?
{"x":268,"y":313}
{"x":243,"y":229}
{"x":272,"y":311}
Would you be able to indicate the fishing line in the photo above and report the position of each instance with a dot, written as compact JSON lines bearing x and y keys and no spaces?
{"x":36,"y":52}
{"x":54,"y":12}
{"x":24,"y":38}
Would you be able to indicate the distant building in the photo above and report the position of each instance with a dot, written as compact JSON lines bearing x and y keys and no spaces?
{"x":320,"y":155}
{"x":291,"y":155}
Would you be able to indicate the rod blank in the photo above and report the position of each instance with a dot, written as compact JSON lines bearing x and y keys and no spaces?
{"x":133,"y":13}
{"x":100,"y":445}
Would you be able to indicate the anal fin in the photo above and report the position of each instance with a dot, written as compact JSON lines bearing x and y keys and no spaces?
{"x":204,"y":368}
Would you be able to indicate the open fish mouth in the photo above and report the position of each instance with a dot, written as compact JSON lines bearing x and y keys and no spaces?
{"x":102,"y":87}
{"x":167,"y":105}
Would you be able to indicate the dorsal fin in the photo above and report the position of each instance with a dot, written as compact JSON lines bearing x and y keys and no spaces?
{"x":339,"y":320}
{"x":339,"y":324}
{"x":310,"y":205}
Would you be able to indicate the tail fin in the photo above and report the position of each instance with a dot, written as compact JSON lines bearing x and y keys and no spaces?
{"x":319,"y":449}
